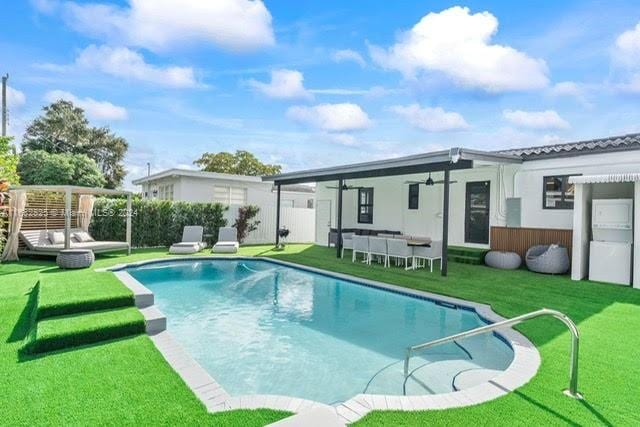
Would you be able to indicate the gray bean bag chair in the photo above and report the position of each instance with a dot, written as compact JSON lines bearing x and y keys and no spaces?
{"x":503,"y":260}
{"x":550,"y":259}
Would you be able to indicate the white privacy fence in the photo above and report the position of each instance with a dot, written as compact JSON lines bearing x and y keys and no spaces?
{"x":301,"y":223}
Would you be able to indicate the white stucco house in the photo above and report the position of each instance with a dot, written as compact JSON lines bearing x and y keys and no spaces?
{"x":206,"y":187}
{"x":297,"y":202}
{"x":515,"y":196}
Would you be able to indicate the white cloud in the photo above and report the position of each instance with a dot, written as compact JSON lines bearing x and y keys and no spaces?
{"x":458,"y":44}
{"x":331,"y":117}
{"x":343,"y":139}
{"x":236,"y":25}
{"x":346,"y":55}
{"x":547,"y":119}
{"x":566,"y":89}
{"x":571,"y":90}
{"x":99,"y":110}
{"x":627,"y":47}
{"x":45,"y":6}
{"x":285,"y":84}
{"x":431,"y":119}
{"x":126,"y":63}
{"x":626,"y":53}
{"x":372,"y":92}
{"x":15,"y":98}
{"x":632,"y":84}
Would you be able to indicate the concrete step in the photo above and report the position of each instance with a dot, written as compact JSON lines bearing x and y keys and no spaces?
{"x":473,"y":377}
{"x":316,"y":417}
{"x":155,"y":321}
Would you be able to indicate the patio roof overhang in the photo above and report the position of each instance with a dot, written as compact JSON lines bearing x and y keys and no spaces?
{"x":445,"y":161}
{"x":452,"y":159}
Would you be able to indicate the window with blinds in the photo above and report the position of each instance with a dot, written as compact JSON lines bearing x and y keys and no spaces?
{"x":230,"y":195}
{"x":165,"y":192}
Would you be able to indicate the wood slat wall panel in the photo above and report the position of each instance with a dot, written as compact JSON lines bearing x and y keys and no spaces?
{"x":520,"y":239}
{"x":45,"y":211}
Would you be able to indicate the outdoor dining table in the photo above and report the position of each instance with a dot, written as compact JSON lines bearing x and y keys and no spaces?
{"x":424,"y":243}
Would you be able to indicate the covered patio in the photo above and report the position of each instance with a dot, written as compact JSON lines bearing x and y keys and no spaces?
{"x":34,"y":210}
{"x":444,"y":162}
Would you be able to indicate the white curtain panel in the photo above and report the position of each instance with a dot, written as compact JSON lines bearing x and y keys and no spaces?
{"x":17,"y":203}
{"x":85,"y":210}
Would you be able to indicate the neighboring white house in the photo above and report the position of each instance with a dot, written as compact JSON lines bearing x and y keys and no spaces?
{"x":525,"y":187}
{"x":206,"y":187}
{"x":297,"y":201}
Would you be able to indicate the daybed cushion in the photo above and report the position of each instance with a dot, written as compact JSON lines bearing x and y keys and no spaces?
{"x":38,"y":241}
{"x":83,"y":236}
{"x":226,"y":247}
{"x":56,"y":237}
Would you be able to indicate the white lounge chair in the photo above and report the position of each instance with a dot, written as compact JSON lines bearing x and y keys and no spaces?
{"x":399,"y":250}
{"x":431,"y":254}
{"x":191,"y":241}
{"x":227,"y":241}
{"x":378,"y":248}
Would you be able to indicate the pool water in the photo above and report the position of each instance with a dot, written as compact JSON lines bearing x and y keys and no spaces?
{"x":260,"y":327}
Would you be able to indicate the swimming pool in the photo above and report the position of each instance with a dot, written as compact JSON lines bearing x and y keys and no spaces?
{"x":260,"y":327}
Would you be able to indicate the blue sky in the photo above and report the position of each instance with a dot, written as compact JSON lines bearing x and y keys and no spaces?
{"x":318,"y":83}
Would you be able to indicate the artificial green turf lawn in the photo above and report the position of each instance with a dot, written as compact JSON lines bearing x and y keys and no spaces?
{"x":118,"y":382}
{"x":84,"y":328}
{"x":75,"y":291}
{"x":110,"y":383}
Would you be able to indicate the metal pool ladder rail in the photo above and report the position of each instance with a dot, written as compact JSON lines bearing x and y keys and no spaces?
{"x":575,"y":341}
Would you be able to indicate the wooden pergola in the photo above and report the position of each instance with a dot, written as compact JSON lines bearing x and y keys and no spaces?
{"x":69,"y":191}
{"x":439,"y":161}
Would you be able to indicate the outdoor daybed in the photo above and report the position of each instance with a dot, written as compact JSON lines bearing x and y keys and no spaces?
{"x":37,"y":242}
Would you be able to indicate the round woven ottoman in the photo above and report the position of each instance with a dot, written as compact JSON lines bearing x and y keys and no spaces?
{"x":503,"y":260}
{"x":75,"y":258}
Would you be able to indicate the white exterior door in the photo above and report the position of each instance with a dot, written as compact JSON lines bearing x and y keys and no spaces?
{"x":323,"y":221}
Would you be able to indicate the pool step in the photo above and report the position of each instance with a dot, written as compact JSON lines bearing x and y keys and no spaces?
{"x":143,"y":297}
{"x":155,"y":321}
{"x":473,"y":377}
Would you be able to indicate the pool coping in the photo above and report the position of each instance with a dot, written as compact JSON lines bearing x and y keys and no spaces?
{"x":524,"y":366}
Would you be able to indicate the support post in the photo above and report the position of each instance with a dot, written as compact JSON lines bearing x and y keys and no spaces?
{"x":4,"y":104}
{"x":278,"y":216}
{"x":339,"y":222}
{"x":445,"y":224}
{"x":128,"y":231}
{"x":67,"y":218}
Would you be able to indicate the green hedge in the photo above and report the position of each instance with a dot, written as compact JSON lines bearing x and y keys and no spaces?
{"x":155,"y":222}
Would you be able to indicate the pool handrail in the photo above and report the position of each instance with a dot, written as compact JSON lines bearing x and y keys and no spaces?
{"x":575,"y":342}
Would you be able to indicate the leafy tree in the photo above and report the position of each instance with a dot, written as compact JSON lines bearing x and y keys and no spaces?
{"x":8,"y":161}
{"x":42,"y":168}
{"x":239,"y":163}
{"x":64,"y":129}
{"x":85,"y":171}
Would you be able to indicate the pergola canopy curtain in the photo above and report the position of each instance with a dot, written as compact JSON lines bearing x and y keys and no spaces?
{"x":17,"y":204}
{"x":85,"y":210}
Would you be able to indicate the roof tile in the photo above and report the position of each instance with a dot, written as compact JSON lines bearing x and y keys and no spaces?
{"x":613,"y":143}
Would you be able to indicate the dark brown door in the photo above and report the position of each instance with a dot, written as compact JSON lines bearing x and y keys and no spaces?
{"x":476,"y":222}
